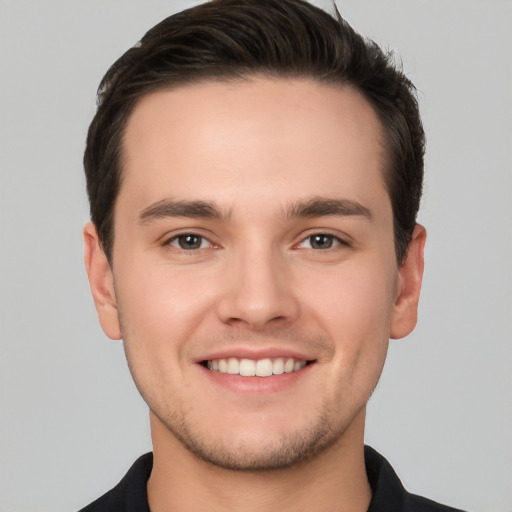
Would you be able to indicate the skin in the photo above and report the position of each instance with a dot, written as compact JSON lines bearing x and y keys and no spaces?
{"x":256,"y":284}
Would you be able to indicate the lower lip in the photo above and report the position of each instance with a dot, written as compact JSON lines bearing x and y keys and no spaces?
{"x":256,"y":385}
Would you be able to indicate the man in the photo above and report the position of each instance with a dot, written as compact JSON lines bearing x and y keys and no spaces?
{"x":254,"y":172}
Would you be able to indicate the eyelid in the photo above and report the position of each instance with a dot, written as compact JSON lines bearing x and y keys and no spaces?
{"x":341,"y":240}
{"x":167,"y":241}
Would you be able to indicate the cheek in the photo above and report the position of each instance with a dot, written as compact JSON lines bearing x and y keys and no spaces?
{"x":160,"y":309}
{"x":354,"y":299}
{"x":157,"y":295}
{"x":353,"y":305}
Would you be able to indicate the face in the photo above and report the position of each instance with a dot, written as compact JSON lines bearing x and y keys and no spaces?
{"x":254,"y":278}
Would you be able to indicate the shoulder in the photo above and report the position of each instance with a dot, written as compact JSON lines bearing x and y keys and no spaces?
{"x":419,"y":504}
{"x":130,"y":494}
{"x":388,"y":491}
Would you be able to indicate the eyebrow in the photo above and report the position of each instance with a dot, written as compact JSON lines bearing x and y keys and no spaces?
{"x":314,"y":207}
{"x":320,"y":207}
{"x":171,"y":208}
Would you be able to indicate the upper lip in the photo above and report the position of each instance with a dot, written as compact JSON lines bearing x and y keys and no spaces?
{"x":255,"y":353}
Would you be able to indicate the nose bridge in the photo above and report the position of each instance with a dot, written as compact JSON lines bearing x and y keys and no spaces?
{"x":259,"y":290}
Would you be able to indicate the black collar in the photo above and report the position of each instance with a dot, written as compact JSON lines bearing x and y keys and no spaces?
{"x":389,"y":495}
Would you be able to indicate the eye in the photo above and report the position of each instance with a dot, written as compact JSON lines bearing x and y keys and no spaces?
{"x":321,"y":241}
{"x":189,"y":242}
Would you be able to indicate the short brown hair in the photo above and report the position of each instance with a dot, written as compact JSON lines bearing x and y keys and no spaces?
{"x":235,"y":39}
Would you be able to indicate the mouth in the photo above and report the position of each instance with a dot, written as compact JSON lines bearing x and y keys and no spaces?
{"x":256,"y":367}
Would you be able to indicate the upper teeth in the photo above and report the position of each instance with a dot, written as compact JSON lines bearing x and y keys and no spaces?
{"x":258,"y":368}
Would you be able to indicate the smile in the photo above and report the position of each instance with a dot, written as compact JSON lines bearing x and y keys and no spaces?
{"x":256,"y":368}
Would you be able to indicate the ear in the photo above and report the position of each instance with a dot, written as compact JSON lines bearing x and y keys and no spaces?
{"x":101,"y":281}
{"x":410,"y":275}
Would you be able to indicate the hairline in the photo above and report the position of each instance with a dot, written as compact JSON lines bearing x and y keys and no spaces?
{"x":244,"y":76}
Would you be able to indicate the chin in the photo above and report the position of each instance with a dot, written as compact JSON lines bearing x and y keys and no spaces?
{"x":260,"y":450}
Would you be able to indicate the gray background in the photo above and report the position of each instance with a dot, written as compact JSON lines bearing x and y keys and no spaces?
{"x":71,"y":419}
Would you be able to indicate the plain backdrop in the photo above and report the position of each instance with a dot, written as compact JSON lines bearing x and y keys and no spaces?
{"x":71,"y":419}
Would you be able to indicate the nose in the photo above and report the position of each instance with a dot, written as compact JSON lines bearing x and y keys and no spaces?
{"x":258,"y":291}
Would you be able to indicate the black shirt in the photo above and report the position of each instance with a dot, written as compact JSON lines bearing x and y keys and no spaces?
{"x":389,"y":495}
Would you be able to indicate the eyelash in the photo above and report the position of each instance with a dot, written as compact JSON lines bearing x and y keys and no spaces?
{"x":177,"y":238}
{"x":335,"y":241}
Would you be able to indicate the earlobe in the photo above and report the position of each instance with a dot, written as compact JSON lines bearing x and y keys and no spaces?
{"x":101,"y":281}
{"x":405,"y":310}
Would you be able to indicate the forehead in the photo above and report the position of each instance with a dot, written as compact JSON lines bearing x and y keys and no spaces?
{"x":260,"y":137}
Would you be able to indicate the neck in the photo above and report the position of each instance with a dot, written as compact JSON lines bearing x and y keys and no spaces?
{"x":332,"y":480}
